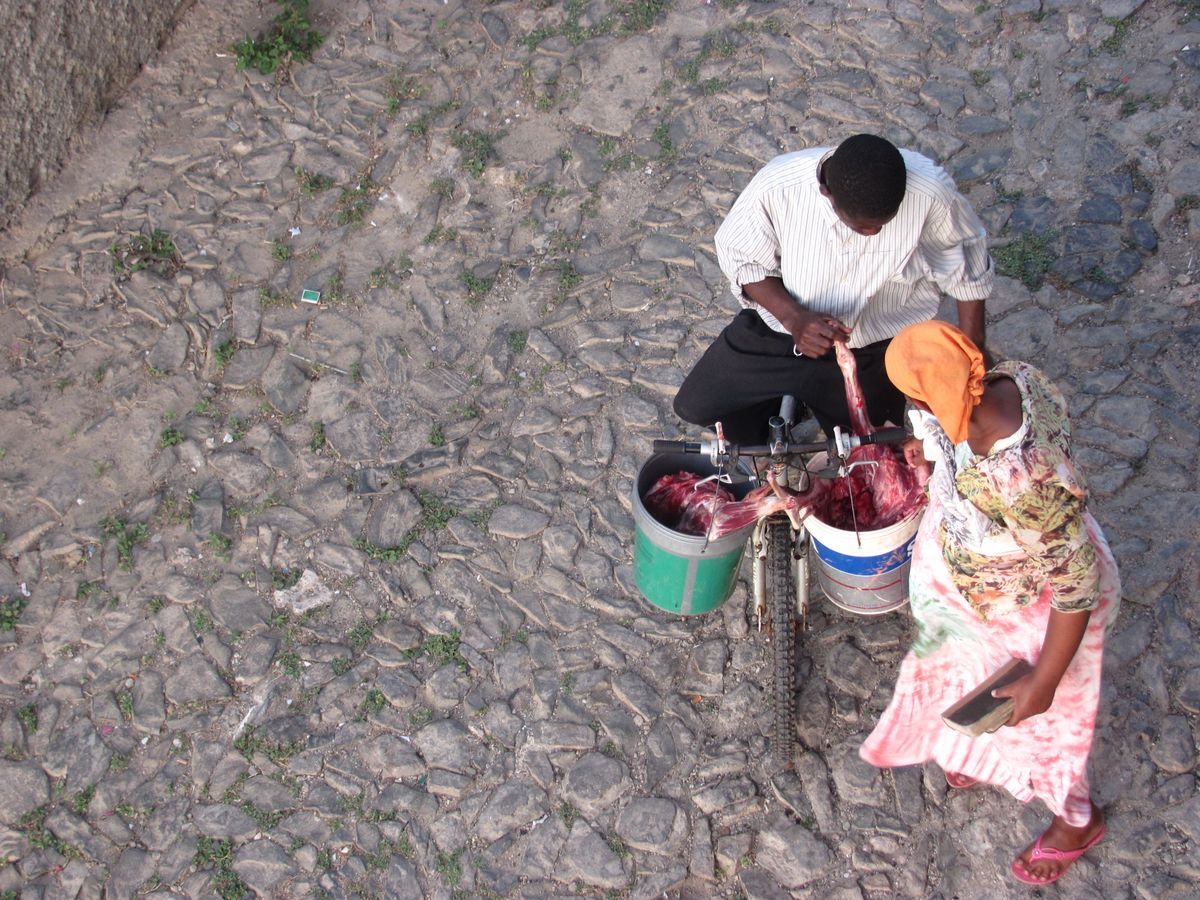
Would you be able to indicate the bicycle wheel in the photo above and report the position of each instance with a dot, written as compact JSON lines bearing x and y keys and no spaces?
{"x":782,"y":583}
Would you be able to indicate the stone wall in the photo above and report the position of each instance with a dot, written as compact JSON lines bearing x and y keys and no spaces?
{"x":65,"y":61}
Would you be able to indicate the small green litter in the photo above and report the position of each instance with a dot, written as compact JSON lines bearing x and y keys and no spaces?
{"x":310,"y":296}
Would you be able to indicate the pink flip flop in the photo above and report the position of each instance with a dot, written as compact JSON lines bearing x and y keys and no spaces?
{"x":1040,"y":852}
{"x":960,"y":782}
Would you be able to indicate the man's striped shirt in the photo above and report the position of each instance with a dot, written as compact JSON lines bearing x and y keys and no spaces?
{"x":781,"y":225}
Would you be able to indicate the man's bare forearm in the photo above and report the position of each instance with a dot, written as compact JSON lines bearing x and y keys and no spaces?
{"x":971,"y":320}
{"x":772,"y":296}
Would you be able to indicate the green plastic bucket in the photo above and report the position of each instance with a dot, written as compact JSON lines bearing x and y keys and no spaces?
{"x":681,"y":573}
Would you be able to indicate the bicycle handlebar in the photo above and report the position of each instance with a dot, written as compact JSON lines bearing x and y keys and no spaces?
{"x":831,"y":446}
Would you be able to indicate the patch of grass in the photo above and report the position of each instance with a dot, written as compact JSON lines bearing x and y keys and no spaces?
{"x":443,"y":648}
{"x":201,"y":622}
{"x":356,"y":201}
{"x":155,"y":252}
{"x":619,"y":847}
{"x":419,"y":126}
{"x":1027,"y":258}
{"x":383,"y":554}
{"x":284,"y":578}
{"x":125,"y":705}
{"x":127,"y":535}
{"x":10,"y":612}
{"x":481,"y":517}
{"x":221,"y":545}
{"x":570,"y":813}
{"x":477,"y":147}
{"x":291,"y":37}
{"x":477,"y":288}
{"x":437,"y":437}
{"x":1120,"y":27}
{"x":341,"y":665}
{"x":316,"y":442}
{"x":33,"y":826}
{"x":170,"y":437}
{"x":249,"y":743}
{"x":422,"y":715}
{"x":312,"y":183}
{"x":224,"y":352}
{"x":568,"y":280}
{"x":218,"y":855}
{"x":360,"y":635}
{"x":443,"y":187}
{"x":440,"y":234}
{"x":449,"y":866}
{"x":27,"y":715}
{"x":1006,"y":196}
{"x":372,"y":704}
{"x":979,"y":78}
{"x":662,"y":137}
{"x":465,"y":411}
{"x":81,"y":800}
{"x":281,"y":250}
{"x":640,"y":15}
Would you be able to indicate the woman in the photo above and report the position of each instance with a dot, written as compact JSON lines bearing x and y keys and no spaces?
{"x":1007,"y":563}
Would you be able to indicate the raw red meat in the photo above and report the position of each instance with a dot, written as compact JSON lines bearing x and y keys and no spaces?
{"x":886,"y":488}
{"x":682,"y":503}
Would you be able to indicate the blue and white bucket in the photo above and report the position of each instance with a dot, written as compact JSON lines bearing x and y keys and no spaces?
{"x":864,"y":572}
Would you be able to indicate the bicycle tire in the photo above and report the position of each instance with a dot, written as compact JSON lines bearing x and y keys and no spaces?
{"x":782,"y":583}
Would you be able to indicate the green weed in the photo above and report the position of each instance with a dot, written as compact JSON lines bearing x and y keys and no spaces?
{"x":439,"y":234}
{"x":356,"y":201}
{"x":224,"y":352}
{"x":291,"y":37}
{"x":477,"y":147}
{"x":449,"y":866}
{"x":10,"y":612}
{"x":27,"y":715}
{"x":443,"y":648}
{"x":155,"y":252}
{"x":170,"y":437}
{"x":127,"y":535}
{"x":312,"y":183}
{"x":316,"y":442}
{"x":477,"y":288}
{"x":1120,"y":27}
{"x":1028,"y":258}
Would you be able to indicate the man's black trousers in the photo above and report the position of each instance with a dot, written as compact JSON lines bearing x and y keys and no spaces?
{"x":740,"y":379}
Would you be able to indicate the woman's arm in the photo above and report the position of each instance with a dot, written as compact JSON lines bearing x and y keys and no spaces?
{"x":1035,"y":692}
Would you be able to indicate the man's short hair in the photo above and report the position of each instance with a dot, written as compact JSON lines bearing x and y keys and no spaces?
{"x":866,"y":177}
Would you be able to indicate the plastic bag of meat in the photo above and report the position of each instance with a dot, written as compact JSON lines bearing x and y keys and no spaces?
{"x":681,"y":502}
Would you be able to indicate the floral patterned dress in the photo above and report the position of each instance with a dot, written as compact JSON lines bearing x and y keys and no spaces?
{"x":1006,"y":538}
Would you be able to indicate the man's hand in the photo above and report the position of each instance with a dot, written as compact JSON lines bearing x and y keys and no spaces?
{"x":813,"y":333}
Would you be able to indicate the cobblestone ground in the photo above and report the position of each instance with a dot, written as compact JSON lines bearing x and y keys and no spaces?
{"x":336,"y":599}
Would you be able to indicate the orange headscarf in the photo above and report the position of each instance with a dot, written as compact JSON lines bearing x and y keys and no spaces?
{"x":939,"y":365}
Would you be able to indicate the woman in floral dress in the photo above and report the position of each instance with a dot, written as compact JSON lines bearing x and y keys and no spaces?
{"x":1008,"y":563}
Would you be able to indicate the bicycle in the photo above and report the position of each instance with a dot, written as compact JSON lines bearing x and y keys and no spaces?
{"x":779,"y":545}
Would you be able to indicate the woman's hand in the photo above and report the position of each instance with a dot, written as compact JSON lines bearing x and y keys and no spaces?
{"x":914,"y":452}
{"x":1031,"y":696}
{"x":1035,"y":692}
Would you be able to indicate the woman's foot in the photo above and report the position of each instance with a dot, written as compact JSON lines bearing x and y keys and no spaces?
{"x":1046,"y":859}
{"x":960,"y":782}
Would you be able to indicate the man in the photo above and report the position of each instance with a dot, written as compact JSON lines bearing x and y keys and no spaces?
{"x":851,"y":243}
